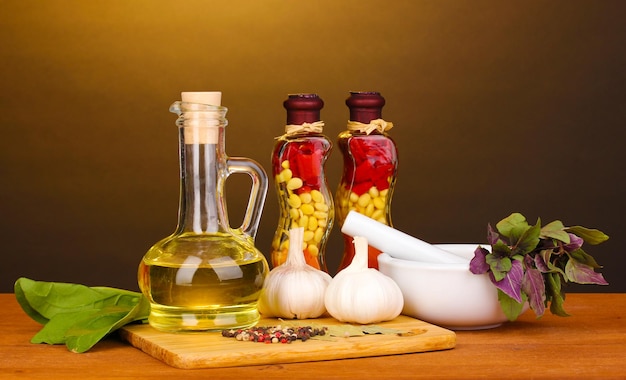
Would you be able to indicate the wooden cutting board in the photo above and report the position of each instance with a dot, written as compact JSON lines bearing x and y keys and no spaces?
{"x":212,"y":350}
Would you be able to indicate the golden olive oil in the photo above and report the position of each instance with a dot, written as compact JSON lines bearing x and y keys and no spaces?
{"x":215,"y":288}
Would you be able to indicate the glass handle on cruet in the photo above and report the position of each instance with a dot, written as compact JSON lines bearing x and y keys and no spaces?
{"x":258,"y":191}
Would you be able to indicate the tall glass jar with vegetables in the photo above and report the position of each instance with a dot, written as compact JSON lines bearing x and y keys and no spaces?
{"x":303,"y":194}
{"x":370,"y":163}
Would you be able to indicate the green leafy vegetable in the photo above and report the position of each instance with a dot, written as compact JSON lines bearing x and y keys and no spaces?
{"x":530,"y":263}
{"x":76,"y":315}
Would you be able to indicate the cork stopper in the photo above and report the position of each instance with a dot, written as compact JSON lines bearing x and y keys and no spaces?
{"x":213,"y":98}
{"x":201,"y":121}
{"x":365,"y":106}
{"x":303,"y":108}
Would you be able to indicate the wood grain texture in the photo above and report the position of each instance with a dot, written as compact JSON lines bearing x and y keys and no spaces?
{"x":590,"y":344}
{"x":211,"y":350}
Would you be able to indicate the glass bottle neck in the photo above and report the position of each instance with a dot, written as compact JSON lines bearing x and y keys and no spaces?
{"x":202,"y":157}
{"x":199,"y":188}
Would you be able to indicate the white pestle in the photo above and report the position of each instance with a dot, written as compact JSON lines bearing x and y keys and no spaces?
{"x":395,"y":243}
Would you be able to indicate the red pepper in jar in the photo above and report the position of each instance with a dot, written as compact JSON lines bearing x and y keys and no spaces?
{"x":307,"y":164}
{"x":374,"y":164}
{"x":303,"y":195}
{"x":369,"y":170}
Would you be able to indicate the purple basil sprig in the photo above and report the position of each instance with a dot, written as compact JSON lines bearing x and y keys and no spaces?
{"x":529,"y":263}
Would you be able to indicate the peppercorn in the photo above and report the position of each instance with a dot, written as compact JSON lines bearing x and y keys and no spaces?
{"x":275,"y":334}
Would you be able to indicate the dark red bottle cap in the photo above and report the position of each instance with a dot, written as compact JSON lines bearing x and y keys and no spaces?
{"x":365,"y":106}
{"x":303,"y":108}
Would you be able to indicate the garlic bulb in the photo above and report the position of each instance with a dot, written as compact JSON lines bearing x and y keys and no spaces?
{"x":294,"y":289}
{"x":359,"y":294}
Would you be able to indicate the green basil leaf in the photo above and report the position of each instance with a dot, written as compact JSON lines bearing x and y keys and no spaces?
{"x":77,"y":315}
{"x":22,"y":299}
{"x":527,"y":239}
{"x":584,"y":258}
{"x":500,"y":248}
{"x":47,"y":299}
{"x":499,"y":265}
{"x":87,"y":332}
{"x":511,"y":308}
{"x":555,"y":230}
{"x":511,"y":222}
{"x":589,"y":235}
{"x":583,"y":274}
{"x":54,"y":332}
{"x":557,"y":298}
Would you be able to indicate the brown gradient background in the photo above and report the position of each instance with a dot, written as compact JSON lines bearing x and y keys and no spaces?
{"x":498,"y":106}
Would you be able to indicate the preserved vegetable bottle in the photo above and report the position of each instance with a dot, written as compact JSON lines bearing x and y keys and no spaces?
{"x":370,"y":164}
{"x":304,"y":198}
{"x":206,"y":275}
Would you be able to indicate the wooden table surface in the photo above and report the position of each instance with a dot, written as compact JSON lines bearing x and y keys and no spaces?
{"x":591,"y":343}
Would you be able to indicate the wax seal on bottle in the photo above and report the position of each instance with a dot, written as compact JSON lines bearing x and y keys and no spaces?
{"x":370,"y":164}
{"x":304,"y":197}
{"x":206,"y":275}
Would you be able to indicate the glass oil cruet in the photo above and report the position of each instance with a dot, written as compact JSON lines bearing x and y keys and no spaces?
{"x":206,"y":275}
